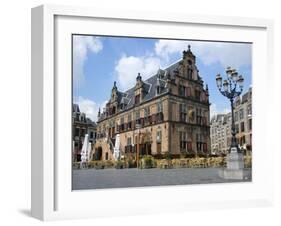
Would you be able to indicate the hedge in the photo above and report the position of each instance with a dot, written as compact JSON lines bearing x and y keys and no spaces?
{"x":149,"y":161}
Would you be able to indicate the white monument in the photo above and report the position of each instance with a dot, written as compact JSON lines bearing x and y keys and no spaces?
{"x":234,"y":166}
{"x":116,"y":153}
{"x":85,"y":152}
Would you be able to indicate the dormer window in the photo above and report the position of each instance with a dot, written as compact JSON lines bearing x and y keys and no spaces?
{"x":189,"y":73}
{"x":137,"y":99}
{"x":158,"y":85}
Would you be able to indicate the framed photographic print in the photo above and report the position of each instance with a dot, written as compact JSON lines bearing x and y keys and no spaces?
{"x":154,"y":113}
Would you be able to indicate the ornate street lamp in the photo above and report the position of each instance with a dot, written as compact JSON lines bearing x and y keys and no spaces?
{"x":231,"y":88}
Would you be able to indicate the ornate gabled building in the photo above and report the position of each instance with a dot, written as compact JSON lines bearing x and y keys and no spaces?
{"x":167,"y":113}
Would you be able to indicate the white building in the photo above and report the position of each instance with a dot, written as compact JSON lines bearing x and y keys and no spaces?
{"x":220,"y":133}
{"x":220,"y":126}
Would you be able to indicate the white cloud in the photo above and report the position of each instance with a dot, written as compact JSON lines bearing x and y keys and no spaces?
{"x":89,"y":107}
{"x":81,"y":46}
{"x":165,"y":48}
{"x":227,"y":54}
{"x":214,"y":110}
{"x":128,"y":67}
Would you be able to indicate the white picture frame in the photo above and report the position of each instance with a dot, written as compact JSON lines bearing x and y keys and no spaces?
{"x":52,"y":197}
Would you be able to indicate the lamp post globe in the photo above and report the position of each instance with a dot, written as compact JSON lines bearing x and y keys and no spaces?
{"x":219,"y":81}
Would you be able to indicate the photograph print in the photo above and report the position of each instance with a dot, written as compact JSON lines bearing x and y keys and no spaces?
{"x":160,"y":112}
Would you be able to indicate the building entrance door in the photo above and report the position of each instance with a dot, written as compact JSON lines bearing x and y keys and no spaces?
{"x":98,"y":155}
{"x":78,"y":157}
{"x":158,"y":148}
{"x":148,"y":148}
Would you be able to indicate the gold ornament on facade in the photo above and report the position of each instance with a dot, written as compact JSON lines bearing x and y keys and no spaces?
{"x":191,"y":114}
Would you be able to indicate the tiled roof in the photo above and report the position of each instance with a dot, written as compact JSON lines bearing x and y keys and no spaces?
{"x":218,"y":117}
{"x":81,"y":116}
{"x":149,"y":87}
{"x":90,"y":122}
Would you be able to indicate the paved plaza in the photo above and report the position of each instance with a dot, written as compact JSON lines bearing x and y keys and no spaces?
{"x":122,"y":178}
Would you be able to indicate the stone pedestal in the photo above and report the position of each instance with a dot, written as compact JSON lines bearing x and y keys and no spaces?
{"x":234,"y":166}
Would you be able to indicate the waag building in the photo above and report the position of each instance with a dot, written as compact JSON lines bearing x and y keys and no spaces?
{"x":166,"y":114}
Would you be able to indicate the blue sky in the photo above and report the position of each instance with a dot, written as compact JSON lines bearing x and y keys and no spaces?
{"x":99,"y":61}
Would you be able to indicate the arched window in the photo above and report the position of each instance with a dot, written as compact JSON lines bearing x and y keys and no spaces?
{"x":189,"y":72}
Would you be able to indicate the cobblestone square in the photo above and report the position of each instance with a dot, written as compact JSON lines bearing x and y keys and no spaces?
{"x":123,"y":178}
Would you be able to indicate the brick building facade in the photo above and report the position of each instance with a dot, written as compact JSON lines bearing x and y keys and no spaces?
{"x":166,"y":114}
